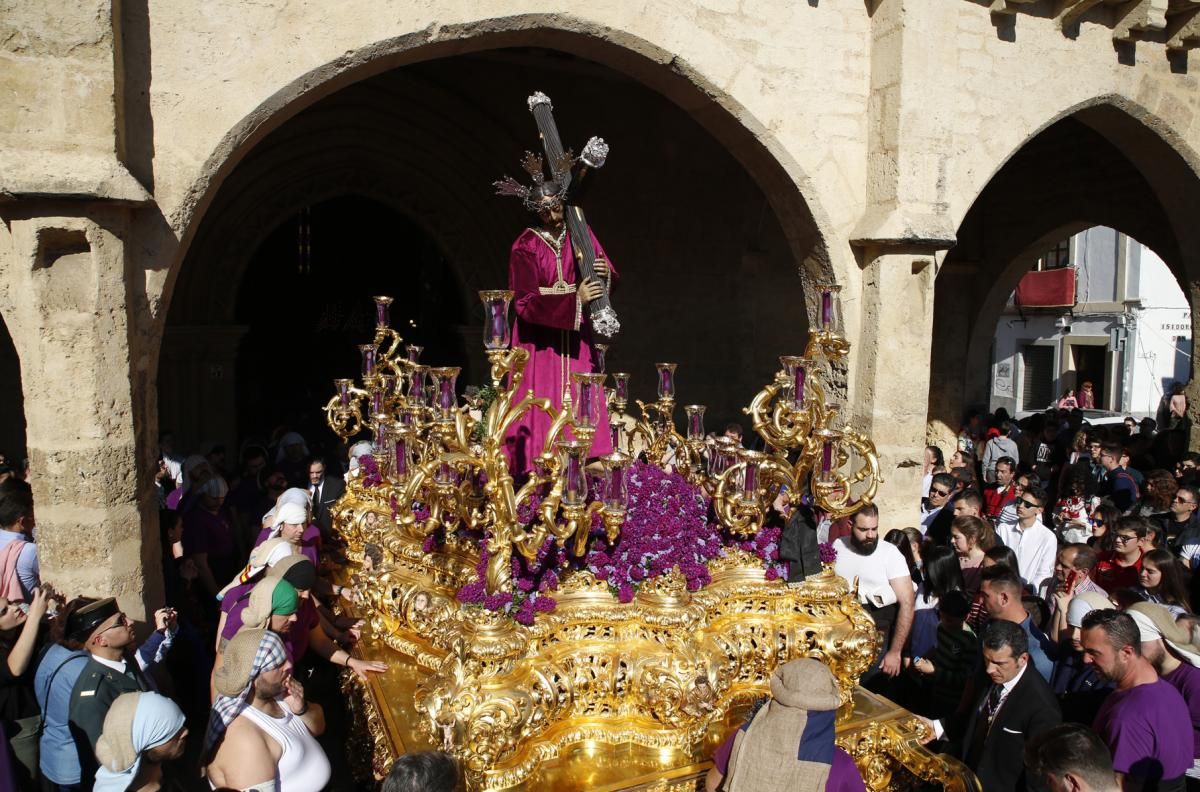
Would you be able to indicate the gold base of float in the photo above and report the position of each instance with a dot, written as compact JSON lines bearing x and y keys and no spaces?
{"x":606,"y":695}
{"x":595,"y":693}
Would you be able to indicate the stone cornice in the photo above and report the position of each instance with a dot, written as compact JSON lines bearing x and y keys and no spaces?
{"x":1173,"y":23}
{"x":67,"y":176}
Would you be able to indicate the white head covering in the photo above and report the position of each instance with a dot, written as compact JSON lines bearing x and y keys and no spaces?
{"x":216,"y":487}
{"x":291,"y":438}
{"x":1084,"y":603}
{"x":295,"y":495}
{"x":135,"y":723}
{"x":1156,"y":623}
{"x":357,"y":450}
{"x":289,"y":513}
{"x":190,"y":464}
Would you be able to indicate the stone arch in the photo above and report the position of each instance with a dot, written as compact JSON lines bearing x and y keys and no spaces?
{"x":780,"y":177}
{"x":1095,"y":164}
{"x":313,"y":101}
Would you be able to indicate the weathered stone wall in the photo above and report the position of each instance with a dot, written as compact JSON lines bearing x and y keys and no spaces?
{"x":877,"y":125}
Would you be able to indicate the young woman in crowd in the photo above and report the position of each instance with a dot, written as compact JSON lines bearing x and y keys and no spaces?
{"x":1086,"y":396}
{"x":967,"y":535}
{"x":1104,"y":521}
{"x":1070,"y":512}
{"x":1157,"y":493}
{"x":941,"y":575}
{"x":1163,"y":580}
{"x":909,"y":549}
{"x":19,"y":638}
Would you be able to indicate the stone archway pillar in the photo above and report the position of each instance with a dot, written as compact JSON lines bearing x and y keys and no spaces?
{"x":69,"y":291}
{"x":893,"y":372}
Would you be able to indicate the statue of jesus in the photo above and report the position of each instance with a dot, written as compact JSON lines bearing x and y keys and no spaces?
{"x":552,"y":322}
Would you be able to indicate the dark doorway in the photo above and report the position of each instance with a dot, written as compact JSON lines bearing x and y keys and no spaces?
{"x":1089,"y":363}
{"x":306,"y":303}
{"x":12,"y":423}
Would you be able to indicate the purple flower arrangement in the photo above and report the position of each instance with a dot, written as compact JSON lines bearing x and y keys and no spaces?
{"x":668,"y":525}
{"x":371,"y":477}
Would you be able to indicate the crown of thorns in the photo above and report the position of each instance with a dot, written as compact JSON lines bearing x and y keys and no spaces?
{"x":538,"y":196}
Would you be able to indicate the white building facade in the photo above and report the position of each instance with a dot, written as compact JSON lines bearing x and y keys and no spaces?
{"x":1125,"y":327}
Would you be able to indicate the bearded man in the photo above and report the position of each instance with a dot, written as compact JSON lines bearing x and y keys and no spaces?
{"x":884,"y":583}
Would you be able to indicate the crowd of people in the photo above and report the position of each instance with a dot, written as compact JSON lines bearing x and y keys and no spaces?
{"x":1044,"y":594}
{"x":1039,"y":612}
{"x":233,"y":682}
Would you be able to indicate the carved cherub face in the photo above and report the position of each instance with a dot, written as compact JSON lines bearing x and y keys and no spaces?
{"x":421,"y":602}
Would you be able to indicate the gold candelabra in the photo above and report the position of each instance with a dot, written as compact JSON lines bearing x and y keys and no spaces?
{"x":423,"y":447}
{"x":663,"y":671}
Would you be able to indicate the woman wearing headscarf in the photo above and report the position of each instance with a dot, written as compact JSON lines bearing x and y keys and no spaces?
{"x":208,"y":538}
{"x":196,"y":472}
{"x":141,"y":731}
{"x":290,"y":520}
{"x":271,"y":606}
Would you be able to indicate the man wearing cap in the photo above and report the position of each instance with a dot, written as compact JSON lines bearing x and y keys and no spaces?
{"x":1170,"y":649}
{"x":107,"y":636}
{"x":262,"y":731}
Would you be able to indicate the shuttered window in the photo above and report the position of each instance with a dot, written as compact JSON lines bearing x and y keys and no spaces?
{"x":1037,"y":378}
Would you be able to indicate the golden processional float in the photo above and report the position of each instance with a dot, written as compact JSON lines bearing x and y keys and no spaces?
{"x":598,"y":626}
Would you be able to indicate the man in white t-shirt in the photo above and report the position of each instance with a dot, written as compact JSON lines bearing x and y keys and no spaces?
{"x":885,"y":585}
{"x":1035,"y":545}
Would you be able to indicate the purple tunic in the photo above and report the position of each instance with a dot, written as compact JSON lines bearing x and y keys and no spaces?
{"x":1186,"y":679}
{"x":212,"y":534}
{"x":556,"y":331}
{"x":1141,"y":726}
{"x":296,"y":641}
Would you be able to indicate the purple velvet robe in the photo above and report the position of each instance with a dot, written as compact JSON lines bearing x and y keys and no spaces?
{"x":556,"y":331}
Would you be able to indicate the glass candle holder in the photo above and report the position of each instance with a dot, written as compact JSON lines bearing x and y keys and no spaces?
{"x":616,"y":481}
{"x":497,"y":333}
{"x":695,"y":422}
{"x":381,"y":432}
{"x":828,"y":319}
{"x":375,"y":388}
{"x":383,"y":310}
{"x":721,"y":456}
{"x":620,"y":389}
{"x":751,"y":460}
{"x":574,"y":482}
{"x":416,"y":385}
{"x":414,"y":352}
{"x":402,"y":452}
{"x":666,"y":380}
{"x":444,"y":474}
{"x":588,"y":402}
{"x":368,"y":359}
{"x":599,"y":352}
{"x":343,"y":391}
{"x":829,"y":439}
{"x":445,"y":400}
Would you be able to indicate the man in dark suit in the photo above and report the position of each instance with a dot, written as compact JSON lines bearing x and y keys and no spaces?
{"x":1017,"y":706}
{"x":325,"y":491}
